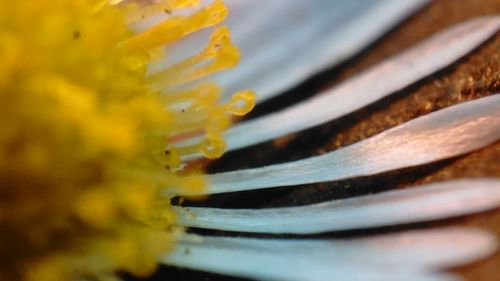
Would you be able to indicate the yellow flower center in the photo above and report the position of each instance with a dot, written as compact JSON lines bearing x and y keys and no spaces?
{"x":85,"y":134}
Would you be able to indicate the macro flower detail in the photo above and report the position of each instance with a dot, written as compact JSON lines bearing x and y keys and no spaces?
{"x":84,"y":131}
{"x":106,"y":112}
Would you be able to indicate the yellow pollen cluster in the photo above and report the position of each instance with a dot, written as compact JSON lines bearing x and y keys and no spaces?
{"x":86,"y":134}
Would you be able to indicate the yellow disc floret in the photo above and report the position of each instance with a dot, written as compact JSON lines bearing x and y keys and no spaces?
{"x":84,"y":132}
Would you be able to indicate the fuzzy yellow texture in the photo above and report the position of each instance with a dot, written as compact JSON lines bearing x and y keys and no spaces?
{"x":82,"y":138}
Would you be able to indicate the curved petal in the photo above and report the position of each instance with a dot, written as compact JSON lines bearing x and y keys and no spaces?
{"x":439,"y":135}
{"x":403,"y":256}
{"x":316,"y":33}
{"x":368,"y":87}
{"x":429,"y":202}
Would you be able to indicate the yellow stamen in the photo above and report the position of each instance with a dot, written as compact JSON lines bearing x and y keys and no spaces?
{"x":241,"y":103}
{"x":176,"y":27}
{"x":220,"y":54}
{"x":203,"y":93}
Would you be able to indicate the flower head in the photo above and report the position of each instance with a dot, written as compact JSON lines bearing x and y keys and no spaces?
{"x":95,"y":135}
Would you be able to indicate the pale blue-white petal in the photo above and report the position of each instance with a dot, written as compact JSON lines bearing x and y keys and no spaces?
{"x":403,"y":256}
{"x":372,"y":85}
{"x":284,"y":42}
{"x":439,"y":135}
{"x":424,"y":203}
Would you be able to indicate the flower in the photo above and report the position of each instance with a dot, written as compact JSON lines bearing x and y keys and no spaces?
{"x":105,"y":208}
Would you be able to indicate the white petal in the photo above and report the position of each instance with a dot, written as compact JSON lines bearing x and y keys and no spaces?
{"x":439,"y":135}
{"x":404,"y":256}
{"x":284,"y":42}
{"x":372,"y":85}
{"x":317,"y":34}
{"x":429,"y":202}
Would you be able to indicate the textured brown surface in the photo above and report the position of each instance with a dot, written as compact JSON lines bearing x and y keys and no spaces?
{"x":476,"y":75}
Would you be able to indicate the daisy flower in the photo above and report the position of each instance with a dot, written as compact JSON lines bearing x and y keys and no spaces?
{"x":100,"y":130}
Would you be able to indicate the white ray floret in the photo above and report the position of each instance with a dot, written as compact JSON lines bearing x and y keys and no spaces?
{"x":269,"y":33}
{"x":439,"y":135}
{"x":268,"y":44}
{"x":380,"y":81}
{"x":276,"y":40}
{"x":404,"y":256}
{"x":424,"y":203}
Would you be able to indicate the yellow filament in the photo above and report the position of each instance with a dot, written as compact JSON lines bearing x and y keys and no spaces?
{"x":241,"y":103}
{"x":220,"y":54}
{"x":212,"y":147}
{"x":176,"y":27}
{"x":214,"y":120}
{"x":203,"y":93}
{"x":167,"y":6}
{"x":227,"y":59}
